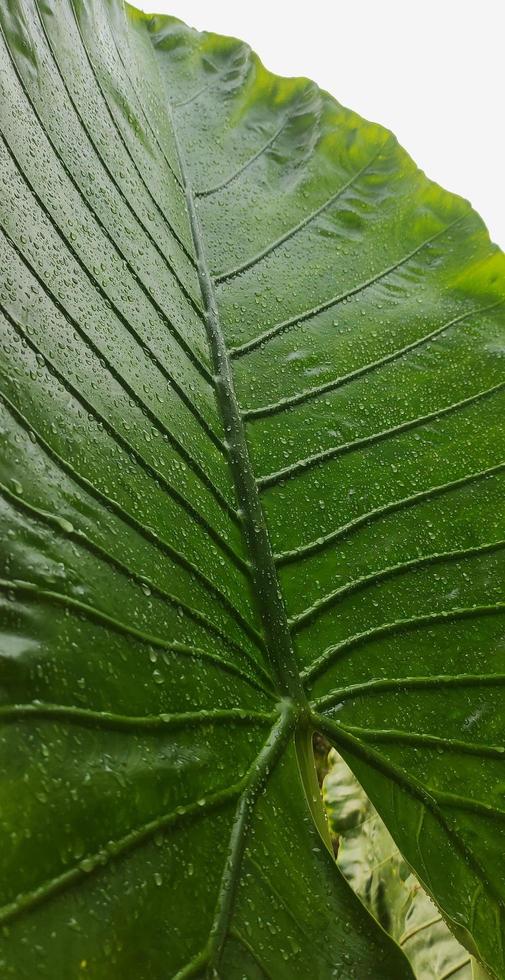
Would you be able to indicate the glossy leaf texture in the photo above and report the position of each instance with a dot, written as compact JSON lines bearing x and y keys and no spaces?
{"x":369,"y":859}
{"x":252,"y":385}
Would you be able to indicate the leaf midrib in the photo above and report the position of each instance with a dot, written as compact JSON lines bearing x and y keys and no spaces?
{"x":294,"y":708}
{"x":279,"y":646}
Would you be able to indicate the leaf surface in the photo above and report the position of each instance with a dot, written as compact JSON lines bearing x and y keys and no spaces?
{"x":251,"y":485}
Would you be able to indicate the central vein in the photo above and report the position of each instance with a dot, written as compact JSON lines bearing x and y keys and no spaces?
{"x":273,"y":613}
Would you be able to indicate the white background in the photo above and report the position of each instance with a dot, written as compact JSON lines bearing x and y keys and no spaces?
{"x":433,"y":71}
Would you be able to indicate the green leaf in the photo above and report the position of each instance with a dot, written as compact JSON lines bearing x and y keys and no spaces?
{"x":373,"y":865}
{"x":252,"y":384}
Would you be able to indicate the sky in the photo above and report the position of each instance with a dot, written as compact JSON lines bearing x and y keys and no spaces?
{"x":432,"y":71}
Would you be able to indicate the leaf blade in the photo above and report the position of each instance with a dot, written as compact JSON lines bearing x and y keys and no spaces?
{"x":129,"y":482}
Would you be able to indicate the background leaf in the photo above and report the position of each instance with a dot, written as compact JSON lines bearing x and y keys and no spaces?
{"x":371,"y":862}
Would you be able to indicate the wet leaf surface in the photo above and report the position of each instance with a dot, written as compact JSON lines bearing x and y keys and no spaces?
{"x":252,"y":475}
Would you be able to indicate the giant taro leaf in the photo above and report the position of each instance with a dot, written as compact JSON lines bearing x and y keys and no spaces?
{"x":252,"y":485}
